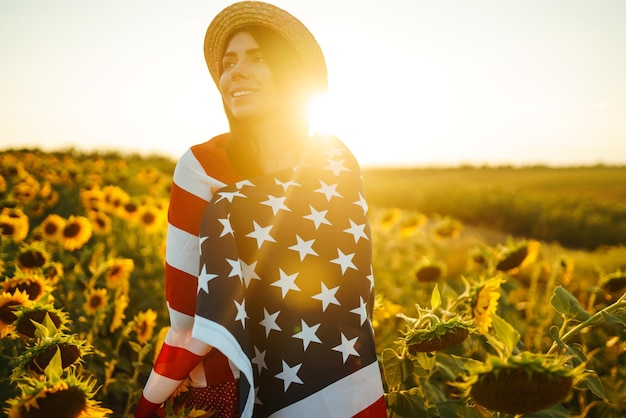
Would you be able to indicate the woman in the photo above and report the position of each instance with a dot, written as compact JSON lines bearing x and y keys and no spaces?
{"x":273,"y":319}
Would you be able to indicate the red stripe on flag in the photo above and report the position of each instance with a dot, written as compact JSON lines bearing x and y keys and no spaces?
{"x":180,"y":290}
{"x":376,"y":410}
{"x":185,"y":209}
{"x":184,"y":361}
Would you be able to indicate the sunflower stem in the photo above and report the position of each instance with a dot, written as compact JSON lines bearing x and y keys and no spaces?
{"x":592,"y":320}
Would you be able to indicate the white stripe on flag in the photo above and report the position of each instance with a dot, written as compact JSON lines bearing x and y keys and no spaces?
{"x":363,"y":387}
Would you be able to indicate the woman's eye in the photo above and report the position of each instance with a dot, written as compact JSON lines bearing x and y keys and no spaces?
{"x":228,"y":64}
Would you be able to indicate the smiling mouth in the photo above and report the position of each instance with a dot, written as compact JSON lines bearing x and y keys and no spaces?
{"x":241,"y":93}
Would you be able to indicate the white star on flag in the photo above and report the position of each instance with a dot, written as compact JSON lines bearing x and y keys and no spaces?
{"x":344,"y":260}
{"x":303,"y":247}
{"x":346,"y":348}
{"x":318,"y":218}
{"x":307,"y":335}
{"x":361,"y":310}
{"x":328,"y":190}
{"x":261,"y":234}
{"x":333,"y":152}
{"x":242,"y":315}
{"x":370,"y":277}
{"x":228,"y":229}
{"x":286,"y":282}
{"x":336,"y":166}
{"x":327,"y":296}
{"x":204,"y":278}
{"x":289,"y":375}
{"x":236,"y":268}
{"x":259,"y":359}
{"x":247,"y":273}
{"x":362,"y":203}
{"x":269,"y":321}
{"x":242,"y":183}
{"x":229,"y":195}
{"x":358,"y":231}
{"x":276,"y":203}
{"x":287,"y":184}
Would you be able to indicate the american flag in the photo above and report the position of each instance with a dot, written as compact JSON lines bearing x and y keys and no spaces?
{"x":285,"y":289}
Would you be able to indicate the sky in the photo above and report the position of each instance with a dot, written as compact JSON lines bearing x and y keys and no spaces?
{"x":411,"y":82}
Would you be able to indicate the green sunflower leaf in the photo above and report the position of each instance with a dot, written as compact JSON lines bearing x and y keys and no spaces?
{"x":391,"y":368}
{"x":435,"y":299}
{"x":54,"y":370}
{"x":505,"y":332}
{"x":592,"y":382}
{"x":566,"y":304}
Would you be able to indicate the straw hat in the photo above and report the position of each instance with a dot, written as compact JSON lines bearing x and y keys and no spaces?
{"x":257,"y":13}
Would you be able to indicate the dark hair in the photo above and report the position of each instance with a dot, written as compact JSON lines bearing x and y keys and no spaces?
{"x":294,"y":87}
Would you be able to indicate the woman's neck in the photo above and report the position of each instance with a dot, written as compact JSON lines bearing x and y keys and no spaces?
{"x":278,"y":146}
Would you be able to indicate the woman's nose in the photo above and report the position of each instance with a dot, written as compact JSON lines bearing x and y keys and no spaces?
{"x":240,"y":70}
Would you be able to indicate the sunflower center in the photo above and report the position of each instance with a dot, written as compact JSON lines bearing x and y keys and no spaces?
{"x":6,"y":229}
{"x":68,"y":403}
{"x":26,"y":327}
{"x":148,"y":218}
{"x":96,"y":301}
{"x":32,"y":288}
{"x":31,"y":259}
{"x":72,"y":230}
{"x":7,"y":315}
{"x":69,"y":354}
{"x":51,"y":228}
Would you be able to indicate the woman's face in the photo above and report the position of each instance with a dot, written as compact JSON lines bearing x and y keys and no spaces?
{"x":247,"y":85}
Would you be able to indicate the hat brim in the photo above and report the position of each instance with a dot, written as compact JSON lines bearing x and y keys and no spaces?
{"x":256,"y":13}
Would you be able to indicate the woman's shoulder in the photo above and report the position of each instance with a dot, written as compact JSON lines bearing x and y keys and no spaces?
{"x":210,"y":158}
{"x":331,"y":147}
{"x":215,"y":146}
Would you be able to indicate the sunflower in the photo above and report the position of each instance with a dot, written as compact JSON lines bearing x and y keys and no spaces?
{"x":447,"y":228}
{"x":435,"y":335}
{"x":522,"y":384}
{"x":150,"y":218}
{"x":144,"y":323}
{"x":52,"y":227}
{"x":119,"y":306}
{"x":71,"y":397}
{"x":613,"y":285}
{"x":35,"y":359}
{"x":36,"y":313}
{"x":515,"y":256}
{"x":76,"y":233}
{"x":33,"y":256}
{"x":3,"y":185}
{"x":129,"y":211}
{"x":118,"y":272}
{"x":92,"y":198}
{"x":9,"y":303}
{"x":26,"y":190}
{"x":34,"y":284}
{"x":101,"y":222}
{"x":390,"y":219}
{"x":53,"y":271}
{"x":13,"y":224}
{"x":411,"y":224}
{"x":114,"y":198}
{"x":96,"y":300}
{"x":428,"y":270}
{"x":486,"y":303}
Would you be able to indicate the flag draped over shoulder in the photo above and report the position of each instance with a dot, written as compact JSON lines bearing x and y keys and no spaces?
{"x":285,"y":289}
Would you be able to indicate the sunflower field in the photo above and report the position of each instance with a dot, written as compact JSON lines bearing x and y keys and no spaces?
{"x":470,"y":321}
